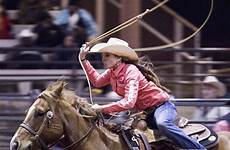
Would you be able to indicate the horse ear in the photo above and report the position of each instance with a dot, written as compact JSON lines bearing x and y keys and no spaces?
{"x":49,"y":88}
{"x":57,"y":91}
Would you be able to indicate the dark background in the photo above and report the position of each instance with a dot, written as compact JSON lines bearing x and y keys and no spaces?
{"x":216,"y":33}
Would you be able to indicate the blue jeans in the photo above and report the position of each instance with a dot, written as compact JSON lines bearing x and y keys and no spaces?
{"x":163,"y":118}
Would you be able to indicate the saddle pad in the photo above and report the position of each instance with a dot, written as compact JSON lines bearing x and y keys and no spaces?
{"x":191,"y":129}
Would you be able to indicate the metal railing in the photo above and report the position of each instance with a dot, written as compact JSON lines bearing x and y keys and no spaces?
{"x":162,"y":59}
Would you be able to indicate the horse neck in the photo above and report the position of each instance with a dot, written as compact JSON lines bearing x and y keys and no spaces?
{"x":76,"y":127}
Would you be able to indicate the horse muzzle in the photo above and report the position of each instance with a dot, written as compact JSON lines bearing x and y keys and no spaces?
{"x":16,"y":145}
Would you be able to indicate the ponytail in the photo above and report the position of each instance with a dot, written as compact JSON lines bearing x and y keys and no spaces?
{"x":146,"y":68}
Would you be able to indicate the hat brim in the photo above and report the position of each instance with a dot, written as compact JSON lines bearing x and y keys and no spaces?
{"x":32,"y":36}
{"x":220,"y":86}
{"x":119,"y":50}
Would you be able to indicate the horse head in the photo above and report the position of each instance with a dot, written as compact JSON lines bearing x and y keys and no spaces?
{"x":53,"y":115}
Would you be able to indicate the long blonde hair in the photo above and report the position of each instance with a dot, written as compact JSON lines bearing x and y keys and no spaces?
{"x":146,"y":68}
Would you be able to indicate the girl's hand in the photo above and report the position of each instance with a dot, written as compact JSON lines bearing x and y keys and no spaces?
{"x":84,"y":50}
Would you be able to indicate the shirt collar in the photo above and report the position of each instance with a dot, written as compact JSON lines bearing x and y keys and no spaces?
{"x":118,"y":69}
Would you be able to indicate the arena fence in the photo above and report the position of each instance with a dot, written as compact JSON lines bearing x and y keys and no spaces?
{"x":181,"y":76}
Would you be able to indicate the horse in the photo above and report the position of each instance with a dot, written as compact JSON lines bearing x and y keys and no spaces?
{"x":58,"y":115}
{"x":224,"y":140}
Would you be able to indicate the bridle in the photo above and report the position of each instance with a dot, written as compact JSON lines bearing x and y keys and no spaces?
{"x":43,"y":144}
{"x":37,"y":134}
{"x":47,"y":118}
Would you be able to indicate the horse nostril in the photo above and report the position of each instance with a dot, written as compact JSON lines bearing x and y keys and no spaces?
{"x":14,"y":145}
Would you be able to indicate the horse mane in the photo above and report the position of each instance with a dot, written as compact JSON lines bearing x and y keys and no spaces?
{"x":81,"y":103}
{"x":71,"y":98}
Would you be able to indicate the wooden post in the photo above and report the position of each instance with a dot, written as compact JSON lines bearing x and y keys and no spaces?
{"x":178,"y":35}
{"x":64,"y":3}
{"x":100,"y":15}
{"x":197,"y":68}
{"x":129,"y":9}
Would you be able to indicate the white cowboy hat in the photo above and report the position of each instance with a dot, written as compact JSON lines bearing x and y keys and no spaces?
{"x":27,"y":33}
{"x":213,"y":81}
{"x":117,"y":47}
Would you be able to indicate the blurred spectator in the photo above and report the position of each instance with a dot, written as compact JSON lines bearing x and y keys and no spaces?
{"x":75,"y":18}
{"x":19,"y":59}
{"x":49,"y":34}
{"x":4,"y":24}
{"x":26,"y":40}
{"x":212,"y":88}
{"x":30,"y":10}
{"x":66,"y":52}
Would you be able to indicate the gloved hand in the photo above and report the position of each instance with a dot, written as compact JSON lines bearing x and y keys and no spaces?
{"x":97,"y":107}
{"x":84,"y":50}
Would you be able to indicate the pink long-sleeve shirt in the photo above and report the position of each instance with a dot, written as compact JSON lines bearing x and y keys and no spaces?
{"x":127,"y":81}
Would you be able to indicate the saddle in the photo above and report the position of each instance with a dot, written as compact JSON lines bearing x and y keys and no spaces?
{"x":134,"y":140}
{"x":204,"y":135}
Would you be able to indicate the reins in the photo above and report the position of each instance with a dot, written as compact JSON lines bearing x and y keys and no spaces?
{"x":81,"y":139}
{"x":76,"y":143}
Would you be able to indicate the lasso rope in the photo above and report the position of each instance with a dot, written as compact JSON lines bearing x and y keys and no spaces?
{"x":181,"y":41}
{"x":132,"y":21}
{"x":125,"y":24}
{"x":114,"y":30}
{"x":87,"y":78}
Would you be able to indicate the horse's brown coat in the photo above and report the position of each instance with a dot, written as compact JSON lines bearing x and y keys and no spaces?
{"x":68,"y":121}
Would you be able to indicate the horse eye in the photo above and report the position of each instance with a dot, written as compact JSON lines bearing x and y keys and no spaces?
{"x":40,"y":113}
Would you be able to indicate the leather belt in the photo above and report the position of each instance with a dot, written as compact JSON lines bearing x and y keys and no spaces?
{"x":153,"y":108}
